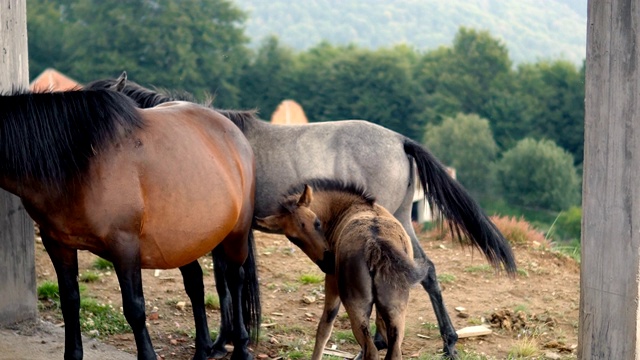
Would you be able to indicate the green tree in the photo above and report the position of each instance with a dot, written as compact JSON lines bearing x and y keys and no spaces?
{"x":538,"y":174}
{"x":554,"y":96}
{"x":195,"y":45}
{"x":466,"y":77}
{"x":266,"y":81}
{"x":46,"y":34}
{"x":465,"y":143}
{"x":352,"y":83}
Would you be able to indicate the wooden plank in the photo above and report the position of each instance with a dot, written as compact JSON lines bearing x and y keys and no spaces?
{"x":472,"y":331}
{"x":17,"y":263}
{"x":338,"y":353}
{"x":611,"y":187}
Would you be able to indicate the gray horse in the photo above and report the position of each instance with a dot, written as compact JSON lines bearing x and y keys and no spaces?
{"x":353,"y":151}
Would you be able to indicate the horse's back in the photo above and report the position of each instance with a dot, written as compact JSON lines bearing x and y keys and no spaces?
{"x":352,"y":151}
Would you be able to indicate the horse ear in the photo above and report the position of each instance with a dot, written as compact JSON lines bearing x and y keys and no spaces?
{"x":306,"y":197}
{"x":120,"y":82}
{"x":269,"y":223}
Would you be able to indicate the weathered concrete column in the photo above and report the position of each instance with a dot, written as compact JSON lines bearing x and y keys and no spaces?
{"x":17,"y":264}
{"x":610,"y":270}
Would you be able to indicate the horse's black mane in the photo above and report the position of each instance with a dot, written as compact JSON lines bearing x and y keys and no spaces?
{"x":52,"y":137}
{"x":326,"y":184}
{"x":147,"y":98}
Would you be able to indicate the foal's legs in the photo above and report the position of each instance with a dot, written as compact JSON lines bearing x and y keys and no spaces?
{"x":356,"y":293}
{"x":126,"y":262}
{"x":331,"y":307}
{"x":65,"y":262}
{"x":194,"y":286}
{"x":391,"y":309}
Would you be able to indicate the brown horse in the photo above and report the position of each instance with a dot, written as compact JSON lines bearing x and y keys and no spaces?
{"x":365,"y":252}
{"x":152,"y":188}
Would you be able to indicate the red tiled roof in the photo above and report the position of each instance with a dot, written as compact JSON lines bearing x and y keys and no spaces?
{"x":52,"y":80}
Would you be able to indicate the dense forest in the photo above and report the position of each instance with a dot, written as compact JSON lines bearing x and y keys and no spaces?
{"x":532,"y":29}
{"x":494,"y":120}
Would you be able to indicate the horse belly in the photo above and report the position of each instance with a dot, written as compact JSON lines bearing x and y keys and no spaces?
{"x":187,"y":218}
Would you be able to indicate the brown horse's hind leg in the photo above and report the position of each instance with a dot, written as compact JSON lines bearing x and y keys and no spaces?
{"x":65,"y":262}
{"x":226,"y":327}
{"x":194,"y":286}
{"x":125,"y":254}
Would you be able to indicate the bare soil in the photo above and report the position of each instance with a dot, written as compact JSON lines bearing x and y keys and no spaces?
{"x":537,"y":309}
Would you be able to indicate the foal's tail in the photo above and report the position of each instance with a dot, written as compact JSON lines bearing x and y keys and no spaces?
{"x":456,"y":205}
{"x":251,"y":310}
{"x":392,"y":266}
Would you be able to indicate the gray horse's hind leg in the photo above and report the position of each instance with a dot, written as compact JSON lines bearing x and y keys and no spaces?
{"x":429,"y":283}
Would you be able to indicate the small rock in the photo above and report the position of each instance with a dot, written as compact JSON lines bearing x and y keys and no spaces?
{"x":181,"y":305}
{"x":460,"y":309}
{"x":173,"y":342}
{"x":309,"y":299}
{"x":463,"y":315}
{"x":94,"y":332}
{"x":310,"y":315}
{"x":263,"y":356}
{"x":552,"y":355}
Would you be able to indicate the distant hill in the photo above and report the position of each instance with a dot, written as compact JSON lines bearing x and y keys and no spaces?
{"x":531,"y":29}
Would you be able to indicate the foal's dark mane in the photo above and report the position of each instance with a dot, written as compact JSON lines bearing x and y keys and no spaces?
{"x":325,"y":184}
{"x":52,"y":137}
{"x":147,"y":98}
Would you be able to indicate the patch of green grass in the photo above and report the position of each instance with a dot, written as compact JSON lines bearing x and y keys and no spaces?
{"x":102,"y":264}
{"x":429,"y":326}
{"x":344,"y":336}
{"x":521,"y":307}
{"x":48,"y":290}
{"x":445,"y":278}
{"x":212,"y":301}
{"x":484,"y":268}
{"x":307,"y":279}
{"x":297,"y":354}
{"x":289,"y":288}
{"x":103,"y":318}
{"x":523,"y":272}
{"x":570,"y":249}
{"x":89,"y":277}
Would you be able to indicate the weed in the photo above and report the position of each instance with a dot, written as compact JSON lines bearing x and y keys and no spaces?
{"x":484,"y":268}
{"x":307,"y":279}
{"x":101,"y":317}
{"x":89,"y":277}
{"x":212,"y":301}
{"x":344,"y":336}
{"x":102,"y":264}
{"x":48,"y":290}
{"x":525,"y":348}
{"x":446,"y":278}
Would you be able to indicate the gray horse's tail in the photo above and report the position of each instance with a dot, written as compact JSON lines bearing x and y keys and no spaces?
{"x":456,"y":205}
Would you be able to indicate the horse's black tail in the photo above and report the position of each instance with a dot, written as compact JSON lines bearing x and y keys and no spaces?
{"x":456,"y":205}
{"x":251,"y":293}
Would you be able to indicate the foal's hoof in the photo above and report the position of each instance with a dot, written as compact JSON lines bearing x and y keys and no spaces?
{"x":359,"y":356}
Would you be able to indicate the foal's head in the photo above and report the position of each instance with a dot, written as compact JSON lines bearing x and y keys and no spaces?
{"x":303,"y":228}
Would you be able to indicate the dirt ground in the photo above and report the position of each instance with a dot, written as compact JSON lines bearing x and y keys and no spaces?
{"x":535,"y":314}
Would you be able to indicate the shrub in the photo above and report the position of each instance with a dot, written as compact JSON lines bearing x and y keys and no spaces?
{"x":568,"y":225}
{"x":465,"y":143}
{"x":538,"y":174}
